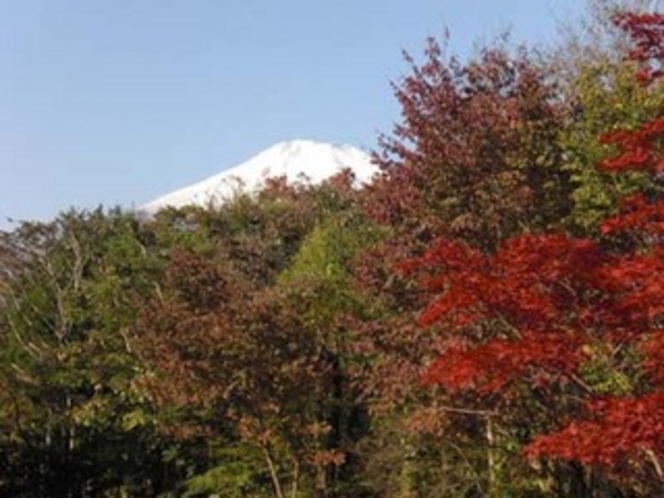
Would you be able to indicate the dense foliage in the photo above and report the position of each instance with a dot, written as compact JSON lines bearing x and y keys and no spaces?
{"x":484,"y":319}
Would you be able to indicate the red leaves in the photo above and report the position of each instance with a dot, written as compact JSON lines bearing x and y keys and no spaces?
{"x":637,"y":216}
{"x":647,"y":34}
{"x":510,"y":316}
{"x":637,"y":150}
{"x":541,"y":309}
{"x":526,"y":282}
{"x":617,"y":429}
{"x":528,"y":314}
{"x":544,"y":324}
{"x":533,"y":358}
{"x":653,"y":349}
{"x":638,"y":283}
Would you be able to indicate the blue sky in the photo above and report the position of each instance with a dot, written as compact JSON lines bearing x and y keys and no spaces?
{"x":119,"y":101}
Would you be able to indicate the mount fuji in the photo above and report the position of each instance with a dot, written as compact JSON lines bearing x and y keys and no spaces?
{"x":296,"y":160}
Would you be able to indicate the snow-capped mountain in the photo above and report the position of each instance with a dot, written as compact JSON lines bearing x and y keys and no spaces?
{"x":297,"y":160}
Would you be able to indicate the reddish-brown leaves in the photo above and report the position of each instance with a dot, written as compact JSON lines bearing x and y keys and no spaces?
{"x":647,"y":34}
{"x":527,"y":281}
{"x":616,"y":429}
{"x":507,"y":315}
{"x":493,"y":366}
{"x":534,"y":313}
{"x":568,"y":318}
{"x":636,"y":150}
{"x":473,"y":156}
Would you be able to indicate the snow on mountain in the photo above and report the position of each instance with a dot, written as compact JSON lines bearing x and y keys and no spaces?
{"x":297,"y":160}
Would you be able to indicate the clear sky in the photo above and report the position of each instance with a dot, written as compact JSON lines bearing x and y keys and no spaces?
{"x":119,"y":101}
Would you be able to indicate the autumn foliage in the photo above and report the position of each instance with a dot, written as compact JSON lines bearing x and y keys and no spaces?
{"x":570,"y":322}
{"x":486,"y":318}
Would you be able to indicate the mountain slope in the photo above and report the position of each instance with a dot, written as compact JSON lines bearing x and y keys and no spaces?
{"x":297,"y":160}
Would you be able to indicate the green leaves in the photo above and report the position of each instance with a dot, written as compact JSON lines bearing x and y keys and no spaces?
{"x":607,"y":98}
{"x":70,"y":364}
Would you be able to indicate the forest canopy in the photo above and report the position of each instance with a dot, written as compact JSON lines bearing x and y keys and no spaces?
{"x":485,"y":318}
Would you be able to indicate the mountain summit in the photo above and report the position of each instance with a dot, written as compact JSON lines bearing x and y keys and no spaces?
{"x":297,"y":160}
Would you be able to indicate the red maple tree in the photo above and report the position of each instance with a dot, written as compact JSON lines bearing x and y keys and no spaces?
{"x":575,"y":324}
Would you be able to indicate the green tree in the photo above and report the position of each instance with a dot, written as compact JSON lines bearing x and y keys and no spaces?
{"x":67,"y":361}
{"x":606,"y":97}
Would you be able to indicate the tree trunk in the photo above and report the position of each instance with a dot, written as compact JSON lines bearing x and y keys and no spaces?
{"x":273,"y":472}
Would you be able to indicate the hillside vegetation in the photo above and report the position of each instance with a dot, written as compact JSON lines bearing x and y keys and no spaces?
{"x":485,"y":319}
